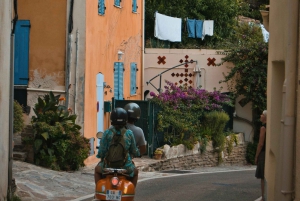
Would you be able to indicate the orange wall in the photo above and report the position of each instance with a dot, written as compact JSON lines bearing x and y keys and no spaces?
{"x":118,"y":29}
{"x":47,"y":39}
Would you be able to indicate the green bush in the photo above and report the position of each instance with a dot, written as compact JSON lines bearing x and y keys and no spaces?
{"x":58,"y":143}
{"x":215,"y":122}
{"x":181,"y":113}
{"x":18,"y":118}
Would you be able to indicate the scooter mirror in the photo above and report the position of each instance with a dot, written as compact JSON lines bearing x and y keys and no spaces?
{"x":99,"y":134}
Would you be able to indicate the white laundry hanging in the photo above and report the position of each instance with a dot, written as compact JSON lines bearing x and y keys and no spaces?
{"x":208,"y":28}
{"x":167,"y":28}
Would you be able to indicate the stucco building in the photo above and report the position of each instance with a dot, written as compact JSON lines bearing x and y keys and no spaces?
{"x":282,"y":169}
{"x":87,"y":51}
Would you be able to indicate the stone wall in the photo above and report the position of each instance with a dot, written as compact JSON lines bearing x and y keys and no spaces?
{"x":178,"y":157}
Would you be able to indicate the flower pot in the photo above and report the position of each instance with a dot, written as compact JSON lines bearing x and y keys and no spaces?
{"x":157,"y":156}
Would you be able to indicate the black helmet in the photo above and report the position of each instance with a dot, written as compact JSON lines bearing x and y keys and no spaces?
{"x":133,"y":111}
{"x":118,"y":116}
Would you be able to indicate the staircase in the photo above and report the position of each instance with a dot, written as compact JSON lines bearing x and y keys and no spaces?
{"x":22,"y":152}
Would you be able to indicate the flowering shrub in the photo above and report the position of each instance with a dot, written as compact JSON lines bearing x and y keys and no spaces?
{"x":58,"y":143}
{"x":248,"y":77}
{"x":182,"y":110}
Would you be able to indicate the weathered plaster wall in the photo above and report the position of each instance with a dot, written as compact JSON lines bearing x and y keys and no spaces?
{"x":76,"y":40}
{"x":47,"y":47}
{"x":5,"y":21}
{"x":118,"y":29}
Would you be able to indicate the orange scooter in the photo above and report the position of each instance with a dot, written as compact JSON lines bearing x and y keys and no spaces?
{"x":115,"y":186}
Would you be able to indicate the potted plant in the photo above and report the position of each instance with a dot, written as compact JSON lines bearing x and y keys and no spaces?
{"x":158,"y":154}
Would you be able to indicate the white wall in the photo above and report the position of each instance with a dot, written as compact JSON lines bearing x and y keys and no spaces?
{"x":5,"y":21}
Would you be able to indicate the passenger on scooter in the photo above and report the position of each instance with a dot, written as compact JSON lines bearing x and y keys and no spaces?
{"x":134,"y":114}
{"x":118,"y":120}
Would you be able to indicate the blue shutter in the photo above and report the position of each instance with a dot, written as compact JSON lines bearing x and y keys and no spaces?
{"x":101,"y":7}
{"x":21,"y":51}
{"x":117,"y":2}
{"x":118,"y":80}
{"x":133,"y":70}
{"x":134,"y":6}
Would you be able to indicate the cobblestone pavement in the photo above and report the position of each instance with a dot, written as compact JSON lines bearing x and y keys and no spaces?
{"x":35,"y":183}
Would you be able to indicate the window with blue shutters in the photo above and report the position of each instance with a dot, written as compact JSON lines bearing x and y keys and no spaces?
{"x":21,"y":57}
{"x":101,"y":7}
{"x":133,"y":69}
{"x":118,"y":3}
{"x":118,"y":80}
{"x":134,"y":6}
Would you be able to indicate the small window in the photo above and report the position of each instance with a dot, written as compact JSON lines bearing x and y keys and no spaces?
{"x":133,"y":69}
{"x":101,"y":7}
{"x":134,"y":6}
{"x":118,"y":3}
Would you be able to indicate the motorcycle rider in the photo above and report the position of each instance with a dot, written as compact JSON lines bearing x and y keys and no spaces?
{"x":118,"y":120}
{"x":134,"y":114}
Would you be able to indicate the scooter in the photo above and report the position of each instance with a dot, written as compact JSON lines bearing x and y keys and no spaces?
{"x":115,"y":186}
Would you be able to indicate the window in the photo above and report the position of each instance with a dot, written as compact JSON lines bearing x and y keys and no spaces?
{"x":133,"y":69}
{"x":101,"y":7}
{"x":134,"y":6}
{"x":118,"y":80}
{"x":118,"y":3}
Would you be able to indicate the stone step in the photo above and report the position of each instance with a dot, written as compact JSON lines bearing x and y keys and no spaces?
{"x":21,"y":156}
{"x":18,"y":147}
{"x":27,"y":135}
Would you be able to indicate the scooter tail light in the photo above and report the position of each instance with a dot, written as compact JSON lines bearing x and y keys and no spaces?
{"x":115,"y":181}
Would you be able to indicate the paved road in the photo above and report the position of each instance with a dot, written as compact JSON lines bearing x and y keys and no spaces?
{"x":195,"y":186}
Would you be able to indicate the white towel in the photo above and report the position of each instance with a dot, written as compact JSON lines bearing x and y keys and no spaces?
{"x":265,"y":33}
{"x":208,"y":28}
{"x":167,"y":28}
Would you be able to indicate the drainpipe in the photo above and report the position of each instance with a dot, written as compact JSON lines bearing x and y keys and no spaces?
{"x":11,"y":116}
{"x":76,"y":72}
{"x":69,"y":51}
{"x":11,"y":97}
{"x":289,"y":96}
{"x":143,"y":49}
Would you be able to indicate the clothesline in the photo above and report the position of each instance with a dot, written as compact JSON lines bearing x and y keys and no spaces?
{"x":169,"y":28}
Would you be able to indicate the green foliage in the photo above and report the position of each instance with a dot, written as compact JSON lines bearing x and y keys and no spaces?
{"x":18,"y":118}
{"x":181,"y":113}
{"x":230,"y":142}
{"x":223,"y":12}
{"x":248,"y":77}
{"x":58,"y":143}
{"x":14,"y":198}
{"x":250,"y":152}
{"x":215,"y":122}
{"x":249,"y":10}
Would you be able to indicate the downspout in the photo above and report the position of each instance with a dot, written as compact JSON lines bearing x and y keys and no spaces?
{"x":11,"y":98}
{"x":69,"y":50}
{"x":76,"y":72}
{"x":143,"y":49}
{"x":289,"y":88}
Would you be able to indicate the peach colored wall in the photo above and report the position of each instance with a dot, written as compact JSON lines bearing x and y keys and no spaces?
{"x":47,"y":47}
{"x":210,"y":75}
{"x":47,"y":39}
{"x":118,"y":29}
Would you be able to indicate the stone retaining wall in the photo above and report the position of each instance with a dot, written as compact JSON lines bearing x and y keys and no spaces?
{"x":207,"y":159}
{"x":178,"y":157}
